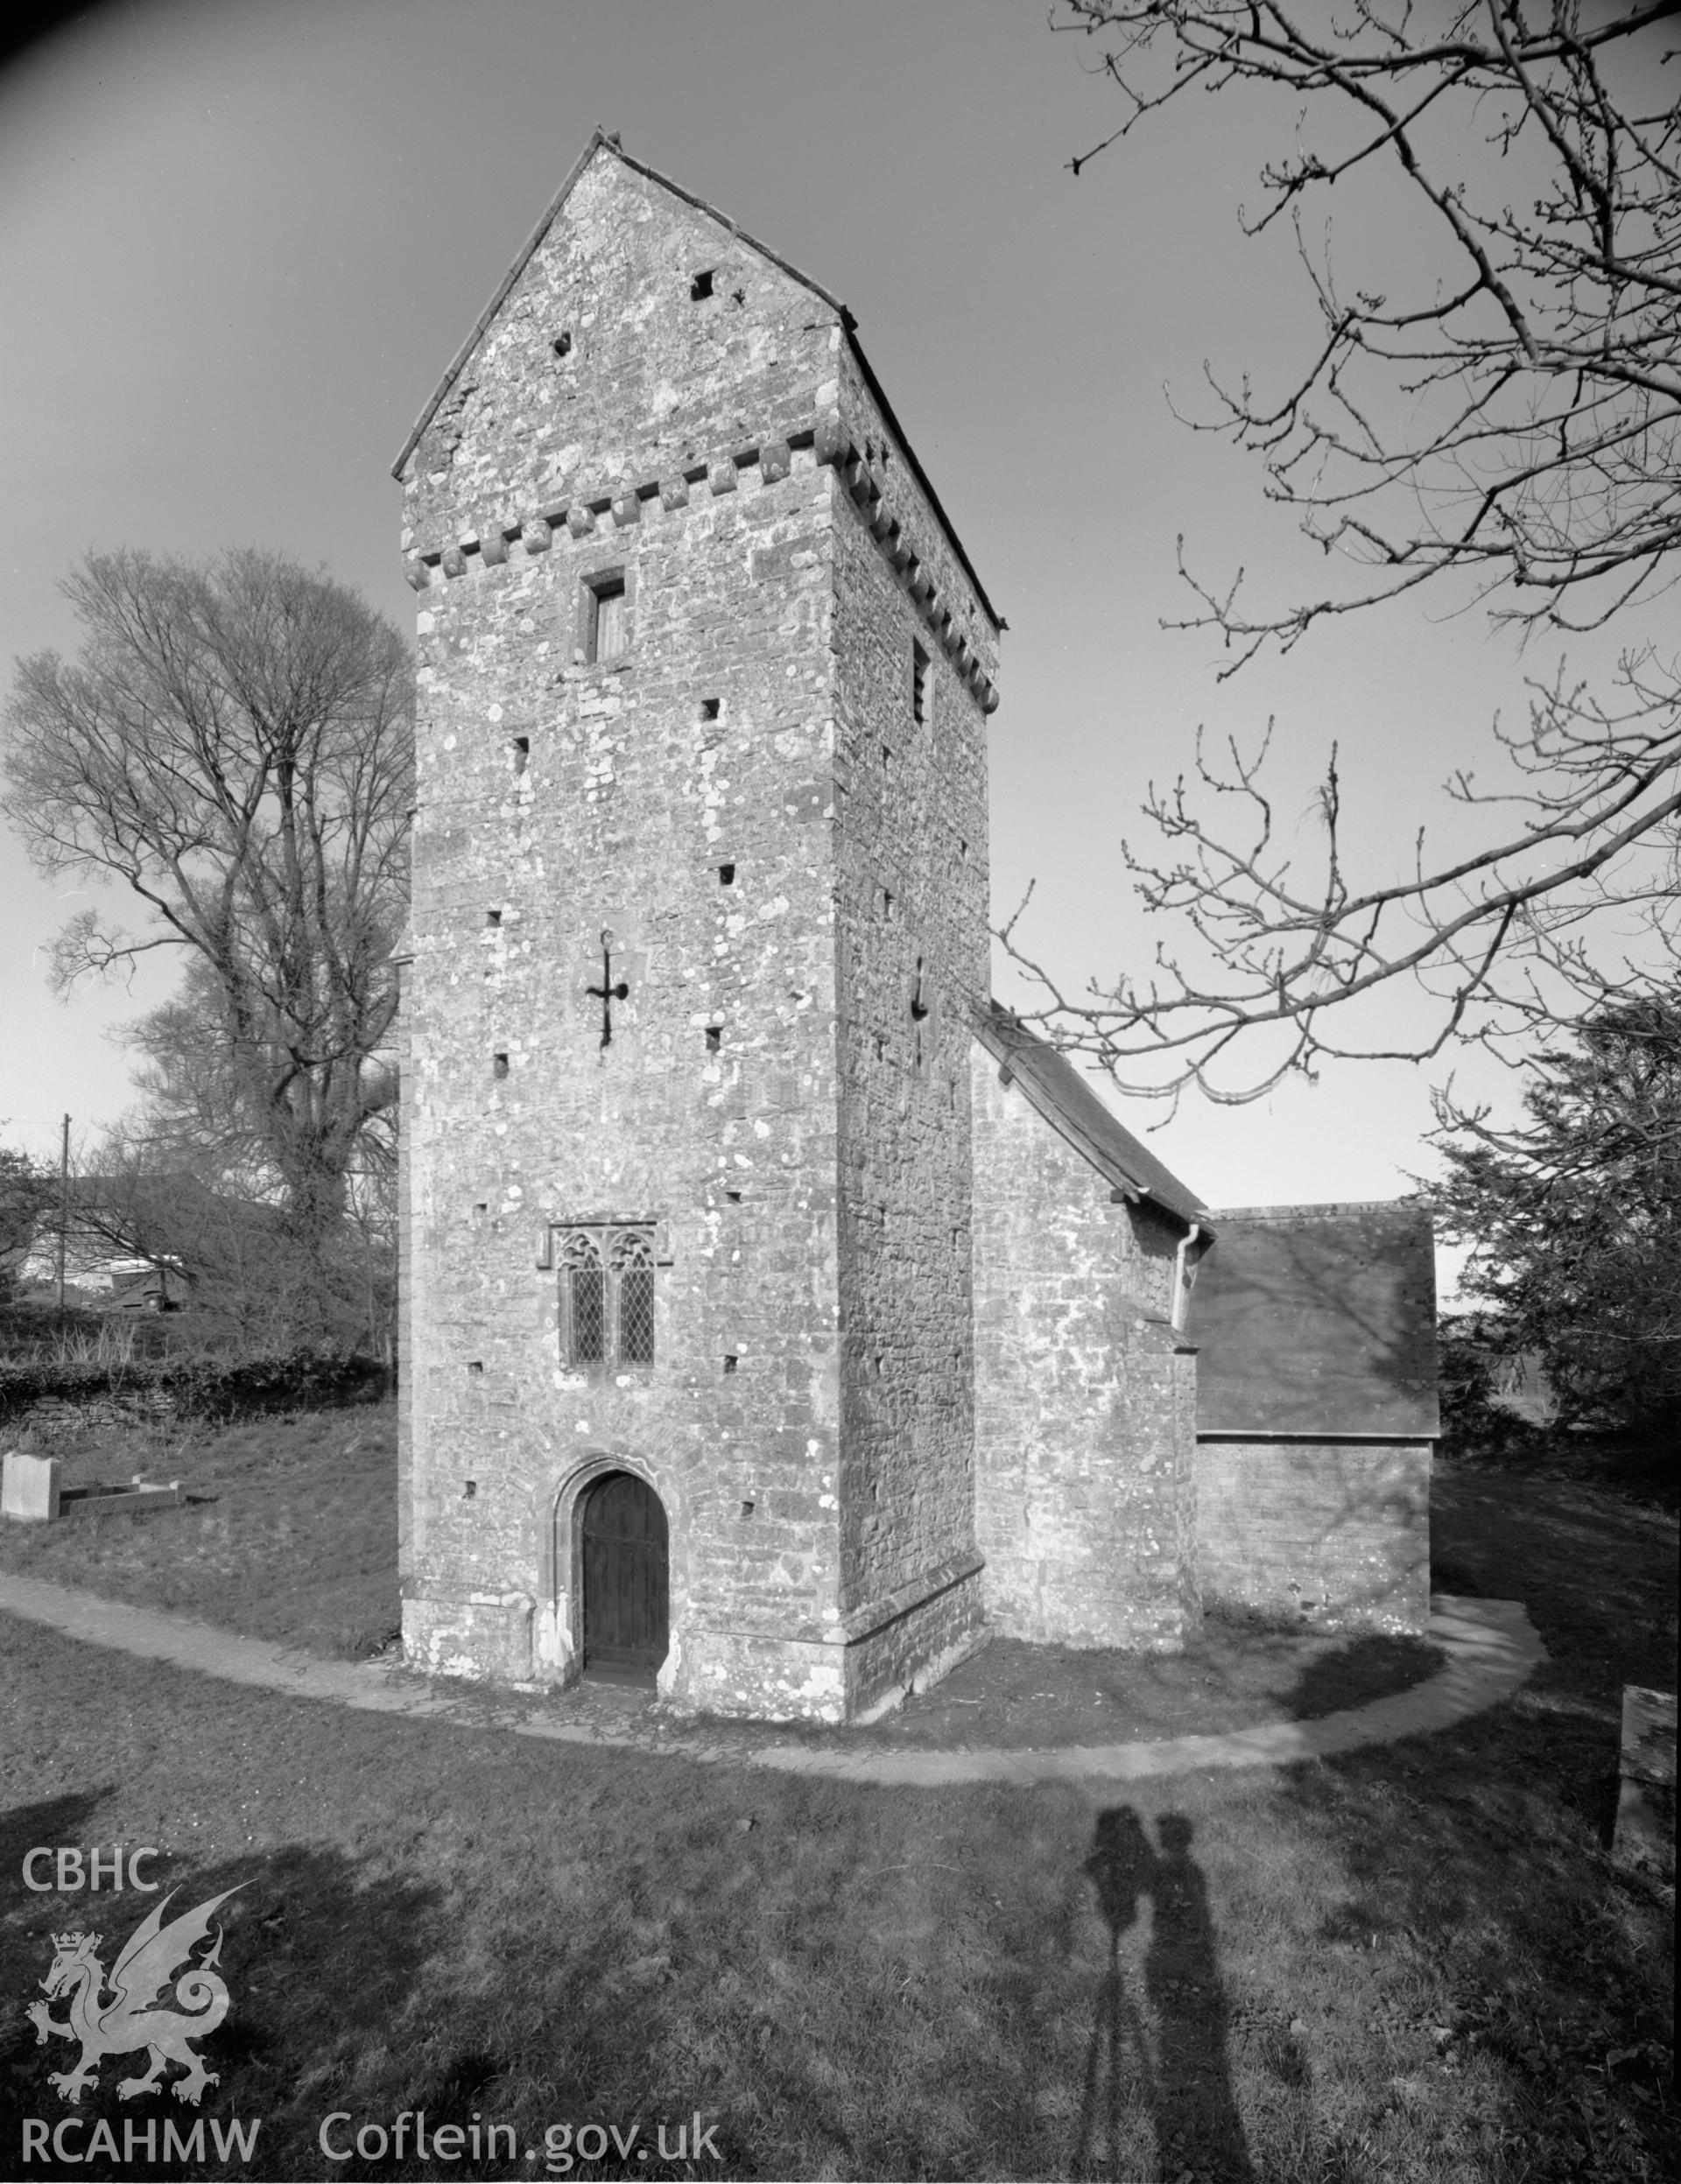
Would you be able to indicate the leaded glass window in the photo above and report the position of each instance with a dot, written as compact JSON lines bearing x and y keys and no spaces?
{"x":633,"y":1263}
{"x":584,"y":1280}
{"x":606,"y":1295}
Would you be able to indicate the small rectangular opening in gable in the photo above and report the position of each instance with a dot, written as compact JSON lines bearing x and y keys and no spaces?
{"x":498,"y":1065}
{"x":519,"y":753}
{"x":918,"y":683}
{"x":493,"y":918}
{"x":714,"y":1038}
{"x":709,"y":708}
{"x":725,"y":876}
{"x":562,"y":344}
{"x":730,"y":1362}
{"x":701,"y":286}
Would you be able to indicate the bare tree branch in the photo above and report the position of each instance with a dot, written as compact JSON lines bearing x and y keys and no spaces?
{"x":1512,"y":430}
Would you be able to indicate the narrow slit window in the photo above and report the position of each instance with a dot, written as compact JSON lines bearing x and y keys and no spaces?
{"x":609,"y":631}
{"x":519,"y":753}
{"x":918,"y":683}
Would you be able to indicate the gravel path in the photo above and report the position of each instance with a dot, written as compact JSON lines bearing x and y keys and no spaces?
{"x":1491,"y":1647}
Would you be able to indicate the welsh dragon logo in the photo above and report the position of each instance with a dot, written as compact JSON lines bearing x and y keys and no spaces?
{"x":152,"y":1958}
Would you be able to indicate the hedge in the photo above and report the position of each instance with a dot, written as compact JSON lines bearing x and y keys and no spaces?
{"x":202,"y":1388}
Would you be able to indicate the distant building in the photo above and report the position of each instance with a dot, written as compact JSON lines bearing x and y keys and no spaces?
{"x":780,"y":1314}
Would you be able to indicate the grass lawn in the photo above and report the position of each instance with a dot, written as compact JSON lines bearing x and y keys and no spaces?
{"x":1415,"y":1963}
{"x":287,"y":1531}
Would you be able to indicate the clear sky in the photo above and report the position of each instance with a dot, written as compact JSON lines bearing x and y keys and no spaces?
{"x":240,"y":242}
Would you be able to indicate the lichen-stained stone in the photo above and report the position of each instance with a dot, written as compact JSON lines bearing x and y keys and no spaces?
{"x":734,"y":1215}
{"x":1084,"y":1394}
{"x":723,"y":819}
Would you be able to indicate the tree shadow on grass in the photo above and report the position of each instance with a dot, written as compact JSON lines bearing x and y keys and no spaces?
{"x":1179,"y":2086}
{"x":1373,"y":1667}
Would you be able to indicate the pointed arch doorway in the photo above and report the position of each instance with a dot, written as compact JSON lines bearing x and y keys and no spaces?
{"x":625,"y":1572}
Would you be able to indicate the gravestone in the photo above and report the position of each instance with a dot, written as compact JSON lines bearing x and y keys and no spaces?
{"x":29,"y":1488}
{"x":1645,"y":1832}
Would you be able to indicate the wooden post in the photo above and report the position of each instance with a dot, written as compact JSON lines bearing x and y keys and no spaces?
{"x":64,"y":1213}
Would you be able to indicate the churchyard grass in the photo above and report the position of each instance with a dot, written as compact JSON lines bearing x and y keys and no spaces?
{"x":287,"y":1528}
{"x":1416,"y":1963}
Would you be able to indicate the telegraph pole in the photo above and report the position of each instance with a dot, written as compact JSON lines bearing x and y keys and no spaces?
{"x":64,"y":1212}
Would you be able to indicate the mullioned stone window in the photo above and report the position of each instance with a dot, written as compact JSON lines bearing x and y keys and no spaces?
{"x":606,"y":1296}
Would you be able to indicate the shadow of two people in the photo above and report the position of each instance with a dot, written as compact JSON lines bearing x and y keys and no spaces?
{"x":1180,"y":2080}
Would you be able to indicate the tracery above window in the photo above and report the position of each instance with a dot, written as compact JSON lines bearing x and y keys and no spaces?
{"x":607,"y":1291}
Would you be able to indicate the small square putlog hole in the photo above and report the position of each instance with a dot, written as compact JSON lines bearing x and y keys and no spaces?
{"x":729,"y":1361}
{"x":701,"y":286}
{"x":714,"y":1038}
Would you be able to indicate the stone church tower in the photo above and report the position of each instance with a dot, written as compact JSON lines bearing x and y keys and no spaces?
{"x":780,"y":1313}
{"x":699,"y":929}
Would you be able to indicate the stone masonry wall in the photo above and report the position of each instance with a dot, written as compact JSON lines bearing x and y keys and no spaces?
{"x":1085,"y":1399}
{"x":1331,"y":1535}
{"x":560,"y":799}
{"x":687,"y":799}
{"x":912,"y":956}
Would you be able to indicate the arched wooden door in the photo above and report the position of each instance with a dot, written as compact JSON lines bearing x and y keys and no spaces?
{"x":627,"y":1600}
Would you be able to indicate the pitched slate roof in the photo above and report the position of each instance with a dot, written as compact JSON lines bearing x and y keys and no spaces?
{"x":1317,"y":1320}
{"x":602,"y":139}
{"x":1055,"y":1089}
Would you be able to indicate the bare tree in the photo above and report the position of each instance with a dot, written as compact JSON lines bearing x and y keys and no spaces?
{"x":1511,"y":429}
{"x":234,"y":744}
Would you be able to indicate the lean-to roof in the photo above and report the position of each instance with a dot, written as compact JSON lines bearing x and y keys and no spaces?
{"x":1056,"y":1089}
